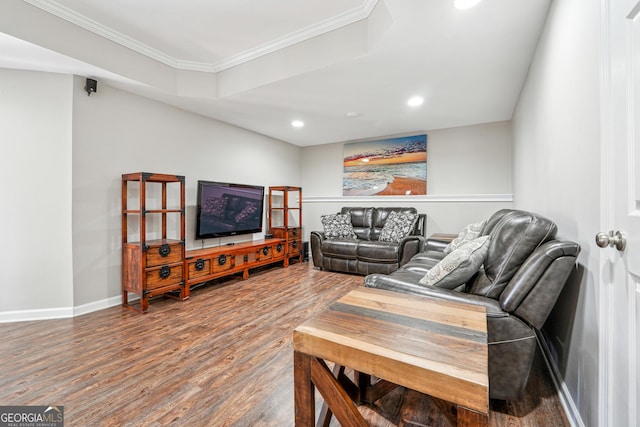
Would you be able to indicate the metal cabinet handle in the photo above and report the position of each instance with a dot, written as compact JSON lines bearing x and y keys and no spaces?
{"x":164,"y":250}
{"x":165,"y":271}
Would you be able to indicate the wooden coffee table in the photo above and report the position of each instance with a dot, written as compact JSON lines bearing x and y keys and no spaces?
{"x":433,"y":346}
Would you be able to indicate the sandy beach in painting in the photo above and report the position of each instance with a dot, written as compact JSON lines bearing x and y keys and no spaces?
{"x":384,"y":180}
{"x":393,"y":166}
{"x":404,"y":187}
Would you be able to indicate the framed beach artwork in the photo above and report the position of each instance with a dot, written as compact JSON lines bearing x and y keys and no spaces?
{"x":386,"y":167}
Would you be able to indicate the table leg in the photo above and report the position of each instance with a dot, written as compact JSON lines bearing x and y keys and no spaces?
{"x":335,"y":395}
{"x":469,"y":418}
{"x":303,"y":390}
{"x":324,"y":419}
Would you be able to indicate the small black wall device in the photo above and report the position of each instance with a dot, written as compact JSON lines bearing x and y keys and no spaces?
{"x":91,"y":86}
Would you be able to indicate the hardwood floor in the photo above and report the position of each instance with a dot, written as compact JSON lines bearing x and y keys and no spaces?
{"x":222,"y":358}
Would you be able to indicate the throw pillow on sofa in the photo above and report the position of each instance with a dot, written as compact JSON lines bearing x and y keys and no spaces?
{"x":338,"y":226}
{"x":459,"y":266}
{"x":397,"y":226}
{"x":468,"y":233}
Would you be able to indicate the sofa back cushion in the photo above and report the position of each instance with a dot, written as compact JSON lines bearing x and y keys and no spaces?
{"x":361,"y":219}
{"x":514,"y":236}
{"x":534,"y":289}
{"x":369,"y":222}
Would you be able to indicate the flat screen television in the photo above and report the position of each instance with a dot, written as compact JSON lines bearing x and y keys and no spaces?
{"x":227,"y":209}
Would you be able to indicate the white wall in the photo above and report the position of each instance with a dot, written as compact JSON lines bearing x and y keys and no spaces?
{"x":35,"y":189}
{"x":557,"y":173}
{"x":468,"y":178}
{"x":61,"y":161}
{"x":116,"y":132}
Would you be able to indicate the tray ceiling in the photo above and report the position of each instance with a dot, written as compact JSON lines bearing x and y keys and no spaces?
{"x":262,"y":64}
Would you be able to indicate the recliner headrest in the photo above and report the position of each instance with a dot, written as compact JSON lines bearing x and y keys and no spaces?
{"x":514,"y":236}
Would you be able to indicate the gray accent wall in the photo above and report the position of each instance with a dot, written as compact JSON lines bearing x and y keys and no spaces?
{"x":63,"y":154}
{"x":35,"y":171}
{"x":556,"y":159}
{"x":469,"y":177}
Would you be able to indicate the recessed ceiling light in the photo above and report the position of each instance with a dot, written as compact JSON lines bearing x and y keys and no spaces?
{"x":465,"y":4}
{"x":415,"y":101}
{"x":297,"y":123}
{"x":353,"y":115}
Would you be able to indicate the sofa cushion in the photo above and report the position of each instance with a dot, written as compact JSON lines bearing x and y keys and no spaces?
{"x":424,"y":261}
{"x":338,"y":226}
{"x":340,"y":248}
{"x":377,"y":251}
{"x":361,"y":220}
{"x":398,"y":226}
{"x":380,"y":216}
{"x":514,"y":237}
{"x":458,"y":266}
{"x":468,"y":233}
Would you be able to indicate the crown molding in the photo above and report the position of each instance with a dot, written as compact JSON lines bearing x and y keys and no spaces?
{"x":339,"y":21}
{"x":328,"y":25}
{"x":88,"y":24}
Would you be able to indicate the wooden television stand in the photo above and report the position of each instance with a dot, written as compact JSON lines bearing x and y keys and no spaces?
{"x":206,"y":264}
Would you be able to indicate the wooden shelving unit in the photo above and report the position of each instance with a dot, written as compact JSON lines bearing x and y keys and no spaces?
{"x":285,"y":219}
{"x":153,"y":237}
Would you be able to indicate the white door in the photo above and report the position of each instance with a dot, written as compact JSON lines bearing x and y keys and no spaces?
{"x":620,"y":272}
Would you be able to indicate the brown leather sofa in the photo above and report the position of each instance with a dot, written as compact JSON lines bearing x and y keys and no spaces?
{"x":523,"y":273}
{"x":366,"y":254}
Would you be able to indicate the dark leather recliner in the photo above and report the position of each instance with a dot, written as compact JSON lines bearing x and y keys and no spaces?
{"x":367,"y":254}
{"x":523,"y":273}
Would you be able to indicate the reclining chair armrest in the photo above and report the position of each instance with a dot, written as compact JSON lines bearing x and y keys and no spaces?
{"x":421,"y":225}
{"x":439,"y":241}
{"x":316,"y":238}
{"x":397,"y":282}
{"x":408,"y":248}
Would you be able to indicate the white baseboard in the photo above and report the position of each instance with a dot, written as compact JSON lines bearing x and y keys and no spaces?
{"x":61,"y":313}
{"x":37,"y":314}
{"x":570,"y":408}
{"x":97,"y":305}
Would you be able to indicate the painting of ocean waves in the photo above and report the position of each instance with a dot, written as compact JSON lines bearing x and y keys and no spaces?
{"x":392,"y":166}
{"x":368,"y":180}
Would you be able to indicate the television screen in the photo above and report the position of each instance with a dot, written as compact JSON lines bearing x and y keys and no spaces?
{"x":226,"y":209}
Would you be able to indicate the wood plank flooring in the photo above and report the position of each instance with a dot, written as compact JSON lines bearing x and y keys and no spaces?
{"x":222,"y":358}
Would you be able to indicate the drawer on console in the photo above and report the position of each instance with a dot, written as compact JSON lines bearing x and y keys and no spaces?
{"x":221,"y":262}
{"x":198,"y":267}
{"x":165,"y":275}
{"x":264,"y":253}
{"x":294,"y":233}
{"x":165,"y":253}
{"x":278,"y":250}
{"x":295,"y":247}
{"x":290,"y":233}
